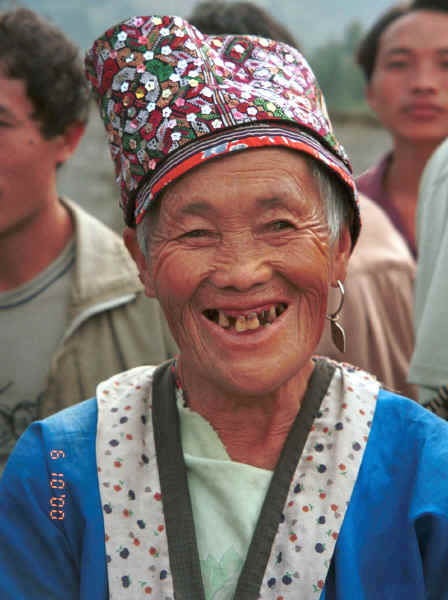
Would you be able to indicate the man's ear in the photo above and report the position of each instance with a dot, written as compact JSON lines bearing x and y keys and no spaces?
{"x":340,"y":256}
{"x":370,"y":96}
{"x":69,"y":140}
{"x":131,"y":243}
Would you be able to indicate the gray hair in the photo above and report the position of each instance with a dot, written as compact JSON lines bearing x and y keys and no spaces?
{"x":332,"y":193}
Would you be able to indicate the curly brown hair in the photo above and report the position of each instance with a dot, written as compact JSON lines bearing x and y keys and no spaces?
{"x":37,"y":52}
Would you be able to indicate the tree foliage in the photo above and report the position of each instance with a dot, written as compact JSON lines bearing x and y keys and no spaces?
{"x":340,"y":78}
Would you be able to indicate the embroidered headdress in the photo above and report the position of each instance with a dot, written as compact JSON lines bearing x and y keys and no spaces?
{"x":171,"y":98}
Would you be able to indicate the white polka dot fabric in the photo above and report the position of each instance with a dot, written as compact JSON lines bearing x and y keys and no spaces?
{"x":137,"y":554}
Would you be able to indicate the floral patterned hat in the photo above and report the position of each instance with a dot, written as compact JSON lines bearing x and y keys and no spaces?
{"x":172,"y":98}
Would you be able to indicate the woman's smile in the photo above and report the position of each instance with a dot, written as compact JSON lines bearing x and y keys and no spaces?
{"x":243,"y":321}
{"x":242,"y":272}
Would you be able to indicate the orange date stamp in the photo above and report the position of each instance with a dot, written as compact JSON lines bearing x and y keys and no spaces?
{"x":57,"y":484}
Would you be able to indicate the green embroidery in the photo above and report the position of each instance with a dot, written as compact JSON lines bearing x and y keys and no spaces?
{"x":220,"y":577}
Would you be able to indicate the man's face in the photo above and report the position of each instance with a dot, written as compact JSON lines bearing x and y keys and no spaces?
{"x":409,"y":86}
{"x":27,"y":160}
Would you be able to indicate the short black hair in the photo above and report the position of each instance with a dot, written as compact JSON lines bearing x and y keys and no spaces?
{"x":368,"y":48}
{"x":440,"y":5}
{"x":242,"y":18}
{"x":37,"y":52}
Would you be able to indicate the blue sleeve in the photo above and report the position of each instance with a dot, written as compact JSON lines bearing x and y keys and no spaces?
{"x":51,"y":528}
{"x":432,"y":533}
{"x":429,"y":505}
{"x":393,"y":543}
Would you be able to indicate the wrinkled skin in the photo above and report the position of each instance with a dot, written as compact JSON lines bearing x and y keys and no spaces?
{"x":239,"y":234}
{"x":409,"y":86}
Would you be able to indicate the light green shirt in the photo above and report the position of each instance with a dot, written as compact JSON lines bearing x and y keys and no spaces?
{"x":226,"y":497}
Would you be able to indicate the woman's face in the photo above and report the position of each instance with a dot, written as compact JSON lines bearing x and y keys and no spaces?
{"x":240,"y":262}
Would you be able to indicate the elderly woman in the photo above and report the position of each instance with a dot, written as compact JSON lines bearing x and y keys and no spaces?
{"x":246,"y":468}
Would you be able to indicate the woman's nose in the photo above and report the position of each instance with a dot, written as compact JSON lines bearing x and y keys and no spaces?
{"x":242,"y":267}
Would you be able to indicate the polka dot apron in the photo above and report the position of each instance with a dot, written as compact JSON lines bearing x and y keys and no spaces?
{"x":149,"y":531}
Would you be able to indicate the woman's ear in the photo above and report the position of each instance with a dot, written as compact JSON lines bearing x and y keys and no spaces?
{"x":341,"y":251}
{"x":131,"y":243}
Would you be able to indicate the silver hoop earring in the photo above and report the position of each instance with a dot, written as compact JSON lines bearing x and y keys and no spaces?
{"x":337,"y":331}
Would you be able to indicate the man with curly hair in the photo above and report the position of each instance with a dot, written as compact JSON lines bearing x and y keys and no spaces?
{"x":70,"y":299}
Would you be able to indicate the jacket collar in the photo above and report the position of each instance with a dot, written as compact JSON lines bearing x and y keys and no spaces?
{"x":104,"y":270}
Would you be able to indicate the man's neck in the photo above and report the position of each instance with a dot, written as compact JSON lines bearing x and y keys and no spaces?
{"x":32,"y":244}
{"x":406,"y":167}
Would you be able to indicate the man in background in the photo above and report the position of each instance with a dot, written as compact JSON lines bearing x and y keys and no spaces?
{"x":429,"y":364}
{"x":377,"y":313}
{"x":71,"y":304}
{"x":404,"y":57}
{"x":244,"y":18}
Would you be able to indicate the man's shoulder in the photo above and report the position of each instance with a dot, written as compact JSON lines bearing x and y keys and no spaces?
{"x":380,"y":243}
{"x":104,"y":268}
{"x":370,"y":181}
{"x":87,"y":223}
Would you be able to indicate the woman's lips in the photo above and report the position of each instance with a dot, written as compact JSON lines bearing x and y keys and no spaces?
{"x":248,"y":320}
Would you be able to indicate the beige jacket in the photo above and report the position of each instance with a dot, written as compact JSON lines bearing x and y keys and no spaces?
{"x":112,"y":325}
{"x":377,"y":314}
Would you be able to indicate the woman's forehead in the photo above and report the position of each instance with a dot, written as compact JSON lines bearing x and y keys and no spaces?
{"x":268,"y":174}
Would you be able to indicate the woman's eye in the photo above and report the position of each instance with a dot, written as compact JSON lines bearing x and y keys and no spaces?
{"x":281,"y":225}
{"x":196,"y":233}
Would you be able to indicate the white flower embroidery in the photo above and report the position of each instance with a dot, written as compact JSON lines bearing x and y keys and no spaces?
{"x":122,"y":36}
{"x":166,"y":50}
{"x":164,"y":31}
{"x":124,"y":86}
{"x":191,"y":117}
{"x":175,"y":136}
{"x":166,"y":111}
{"x":217,"y":124}
{"x":148,"y":55}
{"x":207,"y":92}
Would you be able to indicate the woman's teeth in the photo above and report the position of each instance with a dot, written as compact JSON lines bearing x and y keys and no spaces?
{"x":251,"y":321}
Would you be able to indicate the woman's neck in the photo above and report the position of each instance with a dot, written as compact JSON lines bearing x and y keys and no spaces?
{"x":252,"y":428}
